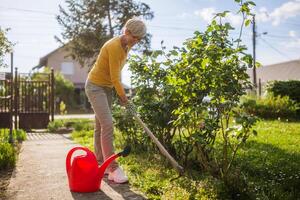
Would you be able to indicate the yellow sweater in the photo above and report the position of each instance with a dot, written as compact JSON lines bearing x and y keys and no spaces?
{"x":107,"y":69}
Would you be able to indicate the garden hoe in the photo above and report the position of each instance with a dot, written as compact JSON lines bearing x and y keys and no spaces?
{"x":132,"y":110}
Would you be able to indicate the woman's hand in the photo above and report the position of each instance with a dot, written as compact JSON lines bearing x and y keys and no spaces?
{"x":123,"y":100}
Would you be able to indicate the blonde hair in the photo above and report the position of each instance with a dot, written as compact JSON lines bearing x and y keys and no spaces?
{"x":136,"y":27}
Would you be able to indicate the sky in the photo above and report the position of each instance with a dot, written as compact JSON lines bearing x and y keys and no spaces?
{"x":33,"y":26}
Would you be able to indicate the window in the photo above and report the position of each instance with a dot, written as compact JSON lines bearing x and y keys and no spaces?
{"x":67,"y":68}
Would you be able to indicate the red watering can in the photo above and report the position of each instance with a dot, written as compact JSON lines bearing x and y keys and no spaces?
{"x":84,"y":173}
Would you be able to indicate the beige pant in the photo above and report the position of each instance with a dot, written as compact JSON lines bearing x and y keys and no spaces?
{"x":101,"y":100}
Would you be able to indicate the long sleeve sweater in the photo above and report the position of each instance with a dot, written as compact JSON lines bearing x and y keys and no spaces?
{"x":107,"y":69}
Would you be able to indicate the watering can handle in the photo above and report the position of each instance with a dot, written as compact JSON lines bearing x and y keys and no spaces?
{"x":68,"y":159}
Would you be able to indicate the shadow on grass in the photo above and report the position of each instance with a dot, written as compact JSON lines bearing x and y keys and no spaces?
{"x":273,"y":171}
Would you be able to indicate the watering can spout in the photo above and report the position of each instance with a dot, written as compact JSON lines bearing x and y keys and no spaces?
{"x":106,"y":163}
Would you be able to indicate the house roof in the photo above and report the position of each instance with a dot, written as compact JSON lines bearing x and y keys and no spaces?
{"x":284,"y":63}
{"x":289,"y":70}
{"x":43,"y":60}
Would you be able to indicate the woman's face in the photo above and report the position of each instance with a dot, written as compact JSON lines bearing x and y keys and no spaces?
{"x":131,"y":39}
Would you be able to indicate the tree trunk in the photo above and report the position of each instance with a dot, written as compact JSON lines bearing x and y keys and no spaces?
{"x":109,"y":20}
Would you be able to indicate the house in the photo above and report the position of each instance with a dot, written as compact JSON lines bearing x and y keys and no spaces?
{"x":284,"y":71}
{"x":72,"y":70}
{"x":59,"y":60}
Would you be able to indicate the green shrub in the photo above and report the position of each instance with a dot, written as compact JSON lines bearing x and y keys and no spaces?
{"x":289,"y":88}
{"x":7,"y":151}
{"x":131,"y":132}
{"x":271,"y":107}
{"x":83,"y":125}
{"x":7,"y":156}
{"x":4,"y":135}
{"x":19,"y":135}
{"x":77,"y":124}
{"x":55,"y":125}
{"x":64,"y":91}
{"x":188,"y":96}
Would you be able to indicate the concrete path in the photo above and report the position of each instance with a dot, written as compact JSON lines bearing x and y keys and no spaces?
{"x":40,"y":173}
{"x":75,"y":116}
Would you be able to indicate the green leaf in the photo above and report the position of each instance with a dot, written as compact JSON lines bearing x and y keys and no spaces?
{"x":209,"y":29}
{"x":174,"y":52}
{"x":222,"y":14}
{"x":156,"y":53}
{"x":258,"y":64}
{"x":204,"y":62}
{"x":213,"y":23}
{"x":251,"y":3}
{"x":247,"y":22}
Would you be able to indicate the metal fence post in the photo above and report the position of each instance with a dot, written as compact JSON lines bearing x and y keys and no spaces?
{"x":16,"y":97}
{"x":10,"y":139}
{"x":52,"y":94}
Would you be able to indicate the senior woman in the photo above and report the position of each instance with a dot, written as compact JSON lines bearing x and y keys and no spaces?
{"x":103,"y":77}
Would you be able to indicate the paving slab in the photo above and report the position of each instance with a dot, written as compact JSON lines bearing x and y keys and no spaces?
{"x":40,"y":173}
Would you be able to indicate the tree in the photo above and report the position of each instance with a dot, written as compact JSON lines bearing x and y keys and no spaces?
{"x":89,"y":24}
{"x":5,"y":45}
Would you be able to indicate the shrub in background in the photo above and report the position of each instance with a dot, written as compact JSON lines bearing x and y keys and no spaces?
{"x":289,"y":88}
{"x":84,"y":124}
{"x":76,"y":124}
{"x":55,"y":125}
{"x":271,"y":107}
{"x":19,"y":135}
{"x":64,"y":90}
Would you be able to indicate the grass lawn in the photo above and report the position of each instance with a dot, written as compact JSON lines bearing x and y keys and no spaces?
{"x":269,"y":164}
{"x":271,"y":161}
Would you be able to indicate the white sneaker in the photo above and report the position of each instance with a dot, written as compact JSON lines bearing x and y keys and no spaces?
{"x":118,"y":176}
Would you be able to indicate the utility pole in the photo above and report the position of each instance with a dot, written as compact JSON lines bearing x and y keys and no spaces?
{"x":254,"y":52}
